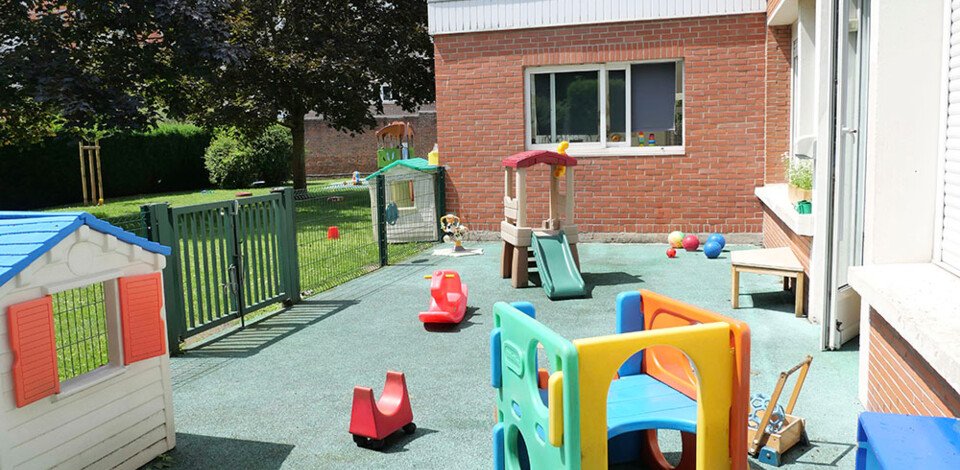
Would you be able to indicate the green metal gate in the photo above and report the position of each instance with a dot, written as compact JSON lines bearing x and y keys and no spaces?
{"x":229,"y":258}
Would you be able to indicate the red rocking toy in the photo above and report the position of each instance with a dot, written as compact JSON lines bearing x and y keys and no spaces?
{"x":448,"y":298}
{"x":372,"y":421}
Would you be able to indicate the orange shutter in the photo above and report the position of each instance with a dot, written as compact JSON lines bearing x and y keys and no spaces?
{"x":141,"y":299}
{"x":34,"y":347}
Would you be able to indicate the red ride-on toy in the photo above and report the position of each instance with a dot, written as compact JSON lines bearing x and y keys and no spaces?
{"x":448,"y":298}
{"x":371,"y":422}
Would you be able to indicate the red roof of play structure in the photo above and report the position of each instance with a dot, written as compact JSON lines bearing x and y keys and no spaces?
{"x":533,"y":157}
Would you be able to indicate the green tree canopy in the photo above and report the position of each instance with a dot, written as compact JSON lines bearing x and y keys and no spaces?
{"x":325,"y":56}
{"x":96,"y":65}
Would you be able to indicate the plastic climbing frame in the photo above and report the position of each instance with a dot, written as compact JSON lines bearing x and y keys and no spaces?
{"x":598,"y":408}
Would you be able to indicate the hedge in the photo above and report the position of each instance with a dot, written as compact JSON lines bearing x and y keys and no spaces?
{"x":166,"y":159}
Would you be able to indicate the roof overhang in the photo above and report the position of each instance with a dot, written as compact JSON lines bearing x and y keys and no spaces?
{"x":467,"y":16}
{"x":786,"y":12}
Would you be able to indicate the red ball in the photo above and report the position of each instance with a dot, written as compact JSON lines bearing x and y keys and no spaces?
{"x":691,"y":243}
{"x":671,"y":253}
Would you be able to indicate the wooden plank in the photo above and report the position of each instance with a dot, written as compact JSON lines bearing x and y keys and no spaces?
{"x":73,"y":438}
{"x":735,"y":287}
{"x":781,"y":259}
{"x":771,"y":272}
{"x":117,"y":442}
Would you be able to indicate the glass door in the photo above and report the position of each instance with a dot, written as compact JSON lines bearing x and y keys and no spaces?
{"x":843,"y":319}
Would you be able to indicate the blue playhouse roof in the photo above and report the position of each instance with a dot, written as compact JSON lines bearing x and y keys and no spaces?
{"x":25,"y":236}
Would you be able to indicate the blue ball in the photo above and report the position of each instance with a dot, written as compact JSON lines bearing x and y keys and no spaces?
{"x":712,"y":249}
{"x":716,"y":237}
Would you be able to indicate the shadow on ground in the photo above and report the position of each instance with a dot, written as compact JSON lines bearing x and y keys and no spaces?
{"x":214,"y":453}
{"x":398,"y":442}
{"x":260,"y":335}
{"x":467,"y":322}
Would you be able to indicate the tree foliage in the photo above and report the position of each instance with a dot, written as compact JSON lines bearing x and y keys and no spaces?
{"x":325,"y":56}
{"x":93,"y":66}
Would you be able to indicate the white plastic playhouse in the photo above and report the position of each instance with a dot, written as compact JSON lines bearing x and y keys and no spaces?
{"x":84,"y":371}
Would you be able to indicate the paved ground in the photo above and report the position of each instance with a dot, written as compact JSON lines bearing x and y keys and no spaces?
{"x":278,"y":393}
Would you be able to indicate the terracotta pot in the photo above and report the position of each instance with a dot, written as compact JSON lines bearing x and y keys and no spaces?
{"x":796,"y":194}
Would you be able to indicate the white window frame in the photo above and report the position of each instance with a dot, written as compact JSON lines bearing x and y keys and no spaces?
{"x":392,"y":99}
{"x":942,"y":142}
{"x":601,"y":148}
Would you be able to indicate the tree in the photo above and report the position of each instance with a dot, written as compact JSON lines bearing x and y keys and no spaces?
{"x":91,"y":67}
{"x":325,"y":56}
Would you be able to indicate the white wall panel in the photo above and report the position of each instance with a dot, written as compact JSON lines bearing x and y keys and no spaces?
{"x":461,"y":16}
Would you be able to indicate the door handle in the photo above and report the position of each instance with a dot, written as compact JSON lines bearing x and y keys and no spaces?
{"x":850,"y":131}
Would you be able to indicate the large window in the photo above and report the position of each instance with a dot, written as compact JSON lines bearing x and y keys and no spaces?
{"x":607,"y":108}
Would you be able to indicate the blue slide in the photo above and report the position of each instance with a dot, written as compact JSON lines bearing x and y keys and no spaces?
{"x":559,"y":275}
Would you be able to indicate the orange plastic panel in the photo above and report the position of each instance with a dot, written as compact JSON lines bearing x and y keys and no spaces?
{"x":141,"y":301}
{"x":34,"y":346}
{"x":673,"y":368}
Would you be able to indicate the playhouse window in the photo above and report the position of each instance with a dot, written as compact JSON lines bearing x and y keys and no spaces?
{"x":80,"y":326}
{"x":638,"y":107}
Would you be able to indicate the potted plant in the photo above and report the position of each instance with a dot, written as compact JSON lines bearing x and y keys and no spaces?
{"x":799,"y":179}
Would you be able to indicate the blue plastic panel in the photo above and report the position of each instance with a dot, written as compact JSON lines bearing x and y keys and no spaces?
{"x":25,"y":236}
{"x":889,"y":442}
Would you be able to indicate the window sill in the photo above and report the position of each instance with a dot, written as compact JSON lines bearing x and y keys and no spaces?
{"x":775,"y":197}
{"x":78,"y":384}
{"x":919,"y":301}
{"x":616,"y":151}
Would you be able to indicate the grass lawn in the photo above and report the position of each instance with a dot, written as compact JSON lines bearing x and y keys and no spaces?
{"x":127,"y":206}
{"x":204,"y":255}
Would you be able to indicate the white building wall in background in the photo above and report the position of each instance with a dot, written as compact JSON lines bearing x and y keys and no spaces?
{"x":461,"y":16}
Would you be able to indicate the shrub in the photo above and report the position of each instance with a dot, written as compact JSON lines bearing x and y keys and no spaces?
{"x":236,"y":162}
{"x":228,"y":161}
{"x":271,"y":151}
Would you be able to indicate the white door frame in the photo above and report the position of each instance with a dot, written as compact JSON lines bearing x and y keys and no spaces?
{"x":825,"y":97}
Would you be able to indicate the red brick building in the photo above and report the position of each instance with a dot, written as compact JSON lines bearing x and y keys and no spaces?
{"x":331,"y":152}
{"x":730,"y":118}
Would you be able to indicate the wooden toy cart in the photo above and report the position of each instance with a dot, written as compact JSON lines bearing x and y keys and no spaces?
{"x":770,"y":447}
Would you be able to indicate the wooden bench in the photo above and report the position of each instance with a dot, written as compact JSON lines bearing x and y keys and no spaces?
{"x":774,"y":261}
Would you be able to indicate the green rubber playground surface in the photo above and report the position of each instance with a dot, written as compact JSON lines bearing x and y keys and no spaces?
{"x":278,"y":394}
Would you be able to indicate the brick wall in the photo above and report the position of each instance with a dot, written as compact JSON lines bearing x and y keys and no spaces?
{"x":776,"y":234}
{"x":900,"y":381}
{"x":329,"y":152}
{"x":480,"y":108}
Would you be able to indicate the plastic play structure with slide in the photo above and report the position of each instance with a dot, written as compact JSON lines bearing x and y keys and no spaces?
{"x":554,"y":245}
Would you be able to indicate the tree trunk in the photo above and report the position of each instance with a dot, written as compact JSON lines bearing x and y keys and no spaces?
{"x":298,"y":162}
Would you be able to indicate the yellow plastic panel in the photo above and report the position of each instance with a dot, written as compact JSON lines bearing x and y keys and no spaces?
{"x":707,"y":345}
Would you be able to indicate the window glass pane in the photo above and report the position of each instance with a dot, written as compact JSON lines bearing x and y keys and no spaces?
{"x":616,"y":106}
{"x":540,"y":101}
{"x":656,"y":104}
{"x":577,"y":107}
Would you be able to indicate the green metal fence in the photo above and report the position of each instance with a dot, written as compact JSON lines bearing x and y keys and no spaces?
{"x":232,"y":258}
{"x":79,"y":318}
{"x":228,"y":259}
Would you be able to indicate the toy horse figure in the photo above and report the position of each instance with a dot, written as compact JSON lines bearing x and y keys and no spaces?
{"x":448,"y":298}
